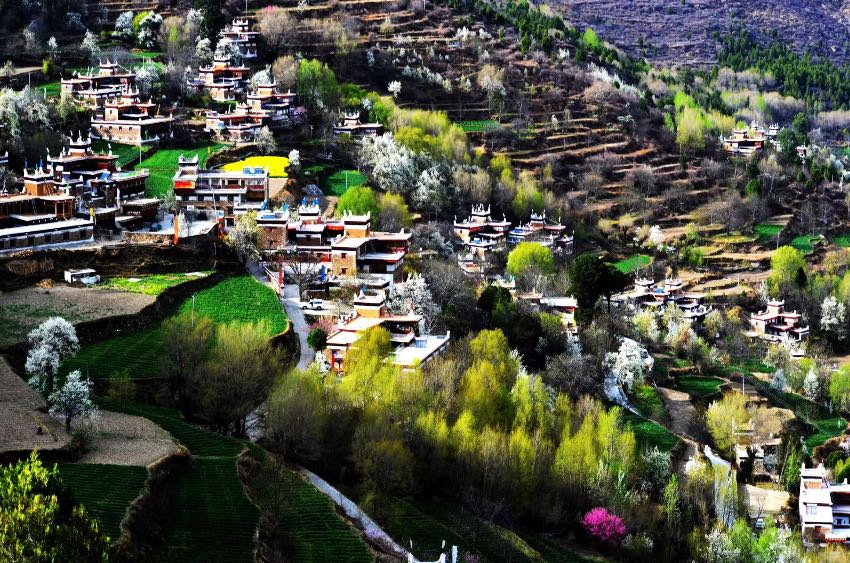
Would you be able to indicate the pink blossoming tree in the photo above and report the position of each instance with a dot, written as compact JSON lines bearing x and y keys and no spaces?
{"x":604,"y":526}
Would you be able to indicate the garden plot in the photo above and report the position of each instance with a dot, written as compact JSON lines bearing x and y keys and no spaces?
{"x":162,"y":165}
{"x":22,"y":413}
{"x":24,"y":309}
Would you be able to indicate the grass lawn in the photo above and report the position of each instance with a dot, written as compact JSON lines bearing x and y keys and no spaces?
{"x":842,"y":240}
{"x":138,"y":354}
{"x":477,"y":125}
{"x":89,"y":482}
{"x":339,"y":182}
{"x":806,"y":243}
{"x":649,"y":433}
{"x":148,"y":285}
{"x":277,"y":165}
{"x":162,"y":165}
{"x":698,"y":387}
{"x":646,"y":399}
{"x":51,"y":89}
{"x":767,"y":232}
{"x":632,"y":263}
{"x":127,"y":154}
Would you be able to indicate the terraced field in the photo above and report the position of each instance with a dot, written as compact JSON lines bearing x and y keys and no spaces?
{"x":697,"y":387}
{"x":313,"y":530}
{"x":138,"y":354}
{"x":649,"y":433}
{"x":105,"y":490}
{"x":339,"y":182}
{"x":633,"y":263}
{"x":209,"y":518}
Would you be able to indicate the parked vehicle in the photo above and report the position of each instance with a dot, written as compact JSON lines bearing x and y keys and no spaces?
{"x":313,"y":304}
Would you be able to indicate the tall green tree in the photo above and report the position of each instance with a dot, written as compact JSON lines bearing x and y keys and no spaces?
{"x":590,"y":279}
{"x":39,"y":522}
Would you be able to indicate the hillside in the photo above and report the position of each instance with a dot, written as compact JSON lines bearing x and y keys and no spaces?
{"x":681,"y":32}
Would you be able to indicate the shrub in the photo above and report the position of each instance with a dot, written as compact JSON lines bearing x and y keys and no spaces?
{"x":604,"y":526}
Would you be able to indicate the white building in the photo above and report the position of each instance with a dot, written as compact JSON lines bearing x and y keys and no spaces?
{"x":824,"y":507}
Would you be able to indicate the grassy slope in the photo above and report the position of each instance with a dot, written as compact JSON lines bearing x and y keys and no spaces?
{"x":649,"y":433}
{"x":335,"y":184}
{"x":138,"y":355}
{"x":698,"y":387}
{"x":88,"y":483}
{"x":162,"y":165}
{"x":632,"y":263}
{"x":128,"y":155}
{"x":148,"y":285}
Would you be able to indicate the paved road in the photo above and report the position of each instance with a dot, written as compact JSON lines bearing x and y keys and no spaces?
{"x":292,"y":306}
{"x":296,"y":316}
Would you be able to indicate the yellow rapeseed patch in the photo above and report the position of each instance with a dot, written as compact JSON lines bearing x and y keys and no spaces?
{"x":277,"y":165}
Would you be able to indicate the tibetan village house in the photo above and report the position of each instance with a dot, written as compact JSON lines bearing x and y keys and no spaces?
{"x":480,"y":233}
{"x":40,"y":217}
{"x":220,"y":191}
{"x":239,"y":33}
{"x":824,"y":507}
{"x":775,"y":323}
{"x":351,"y":125}
{"x":541,"y":230}
{"x":93,"y":89}
{"x":222,"y":79}
{"x":129,"y":120}
{"x":411,"y":348}
{"x":648,"y":294}
{"x":748,"y":140}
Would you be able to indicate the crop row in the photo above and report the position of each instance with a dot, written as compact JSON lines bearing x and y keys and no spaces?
{"x":105,"y":490}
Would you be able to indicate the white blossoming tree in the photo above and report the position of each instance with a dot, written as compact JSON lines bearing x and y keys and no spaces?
{"x":390,"y":166}
{"x":124,"y":25}
{"x":626,"y":364}
{"x":260,"y":77}
{"x":229,"y":49}
{"x":147,"y":78}
{"x":73,"y":399}
{"x":294,"y":159}
{"x":656,"y":236}
{"x":811,"y":385}
{"x":266,"y":143}
{"x":51,"y":343}
{"x":779,"y":381}
{"x":394,"y":88}
{"x":646,"y":324}
{"x":833,"y":319}
{"x":148,"y":30}
{"x":414,"y":295}
{"x":203,"y":51}
{"x":90,"y":46}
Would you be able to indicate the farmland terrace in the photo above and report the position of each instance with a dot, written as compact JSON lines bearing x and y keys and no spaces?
{"x":681,"y":32}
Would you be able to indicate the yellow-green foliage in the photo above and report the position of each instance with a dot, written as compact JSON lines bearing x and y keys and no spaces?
{"x":485,"y":385}
{"x":592,"y":439}
{"x":725,"y":418}
{"x":431,"y":132}
{"x":529,"y":196}
{"x":693,"y":123}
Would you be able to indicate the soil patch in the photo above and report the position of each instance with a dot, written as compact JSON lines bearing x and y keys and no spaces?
{"x":24,"y":309}
{"x":129,"y":440}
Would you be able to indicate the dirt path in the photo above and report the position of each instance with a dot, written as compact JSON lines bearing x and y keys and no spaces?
{"x":682,"y":413}
{"x":128,"y":440}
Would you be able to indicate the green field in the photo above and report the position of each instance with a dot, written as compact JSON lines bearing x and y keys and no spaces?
{"x":646,"y":399}
{"x":339,"y":182}
{"x":51,"y":89}
{"x":311,"y":529}
{"x":148,"y":285}
{"x":127,"y":154}
{"x":89,"y":483}
{"x":767,"y":232}
{"x":208,"y":517}
{"x":162,"y":165}
{"x":698,"y":387}
{"x":806,"y":243}
{"x":649,"y":433}
{"x":633,"y":263}
{"x":842,"y":240}
{"x":477,"y":125}
{"x":138,"y":355}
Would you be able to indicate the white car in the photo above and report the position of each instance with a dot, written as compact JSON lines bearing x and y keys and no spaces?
{"x":313,"y":304}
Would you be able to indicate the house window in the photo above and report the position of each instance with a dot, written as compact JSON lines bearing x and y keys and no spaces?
{"x":811,"y":509}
